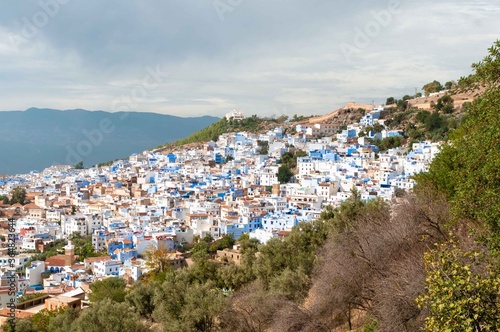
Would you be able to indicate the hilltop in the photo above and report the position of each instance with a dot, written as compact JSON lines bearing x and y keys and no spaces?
{"x":416,"y":117}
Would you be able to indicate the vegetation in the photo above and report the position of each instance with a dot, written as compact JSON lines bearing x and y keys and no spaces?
{"x":288,"y":162}
{"x":462,"y":290}
{"x":52,"y":250}
{"x":432,"y":87}
{"x":263,"y":147}
{"x":84,"y":247}
{"x":298,"y":118}
{"x":110,"y":162}
{"x":30,"y":297}
{"x":18,"y":195}
{"x":444,"y":104}
{"x":389,"y":143}
{"x":212,"y":132}
{"x":79,"y":165}
{"x":467,"y":173}
{"x":110,"y":288}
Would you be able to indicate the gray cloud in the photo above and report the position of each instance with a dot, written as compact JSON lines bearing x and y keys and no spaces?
{"x":265,"y":57}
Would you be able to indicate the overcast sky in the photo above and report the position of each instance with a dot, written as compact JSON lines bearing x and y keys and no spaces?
{"x":206,"y":57}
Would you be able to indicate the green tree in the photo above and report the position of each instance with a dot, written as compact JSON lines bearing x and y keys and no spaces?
{"x":109,"y":316}
{"x":422,"y":116}
{"x":184,"y":306}
{"x":389,"y":143}
{"x":263,"y":147}
{"x":41,"y":320}
{"x":79,"y":165}
{"x":291,"y":284}
{"x":4,"y":199}
{"x":18,"y":196}
{"x":390,"y":101}
{"x":462,"y":292}
{"x":141,"y":298}
{"x":234,"y":276}
{"x":63,"y":321}
{"x":20,"y":325}
{"x":432,"y":87}
{"x":110,"y":288}
{"x":83,"y":251}
{"x":468,"y":168}
{"x":377,"y":127}
{"x":285,"y":174}
{"x":444,"y":104}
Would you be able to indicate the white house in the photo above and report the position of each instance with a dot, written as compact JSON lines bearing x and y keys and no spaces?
{"x":107,"y":267}
{"x":34,"y":272}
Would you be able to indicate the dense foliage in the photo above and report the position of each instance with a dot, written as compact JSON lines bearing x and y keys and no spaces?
{"x":462,"y":286}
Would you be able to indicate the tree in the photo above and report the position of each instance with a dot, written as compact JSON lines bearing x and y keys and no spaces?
{"x":291,"y":284}
{"x":141,"y":297}
{"x":448,"y":85}
{"x":377,"y":127}
{"x":263,"y":146}
{"x":462,"y":292}
{"x":18,"y":196}
{"x":62,"y":322}
{"x":422,"y":116}
{"x":486,"y":72}
{"x":390,"y":101}
{"x":444,"y":104}
{"x":467,"y":169}
{"x":109,"y":316}
{"x":184,"y":306}
{"x":79,"y":165}
{"x":83,"y":251}
{"x":432,"y":87}
{"x":20,"y":325}
{"x":158,"y":258}
{"x":388,"y":143}
{"x":41,"y":320}
{"x":402,"y":104}
{"x":285,"y":174}
{"x":4,"y":199}
{"x":110,"y":288}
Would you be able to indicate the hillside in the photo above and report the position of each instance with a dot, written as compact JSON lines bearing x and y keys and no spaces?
{"x":212,"y":132}
{"x":414,"y":117}
{"x":429,"y":260}
{"x":38,"y":138}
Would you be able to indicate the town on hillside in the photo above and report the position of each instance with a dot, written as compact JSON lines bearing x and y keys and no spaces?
{"x":77,"y":226}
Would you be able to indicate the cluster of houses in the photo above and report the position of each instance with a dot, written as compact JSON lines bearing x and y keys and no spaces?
{"x":166,"y":200}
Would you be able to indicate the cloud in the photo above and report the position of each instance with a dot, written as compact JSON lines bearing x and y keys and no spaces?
{"x":265,"y":57}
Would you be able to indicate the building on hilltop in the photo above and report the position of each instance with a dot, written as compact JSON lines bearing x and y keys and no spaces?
{"x":236,"y":114}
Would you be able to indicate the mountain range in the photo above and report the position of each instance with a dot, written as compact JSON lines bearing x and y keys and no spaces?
{"x":38,"y":138}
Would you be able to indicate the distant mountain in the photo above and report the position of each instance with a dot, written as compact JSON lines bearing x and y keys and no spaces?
{"x":38,"y":138}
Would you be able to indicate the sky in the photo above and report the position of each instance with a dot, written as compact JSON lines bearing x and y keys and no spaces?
{"x":207,"y":57}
